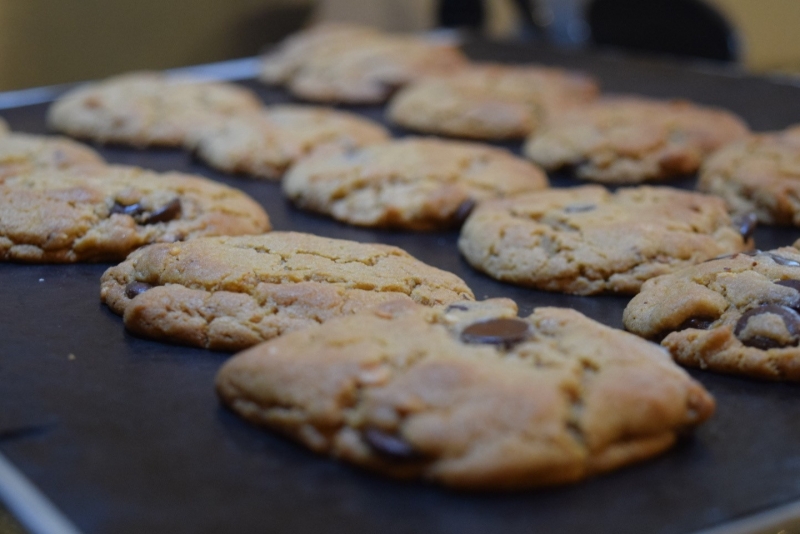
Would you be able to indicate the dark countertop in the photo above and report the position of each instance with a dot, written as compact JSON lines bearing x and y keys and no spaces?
{"x":128,"y":436}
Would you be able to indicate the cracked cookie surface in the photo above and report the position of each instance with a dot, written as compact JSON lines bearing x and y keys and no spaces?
{"x":411,"y":183}
{"x":355,"y":65}
{"x":102,"y":213}
{"x":586,"y":240}
{"x":146,"y":108}
{"x":759,"y":174}
{"x":630,"y":140}
{"x":736,"y":314}
{"x":469,"y":396}
{"x":24,"y":153}
{"x":228,"y":293}
{"x":489,"y":101}
{"x":266,"y":143}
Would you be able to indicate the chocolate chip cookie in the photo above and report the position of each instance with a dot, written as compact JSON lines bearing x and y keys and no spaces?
{"x":469,"y":396}
{"x":734,"y":314}
{"x":228,"y":293}
{"x":587,"y":240}
{"x":489,"y":101}
{"x":146,"y":108}
{"x":357,"y":67}
{"x":102,"y":213}
{"x":410,"y":183}
{"x":626,"y":140}
{"x":264,"y":144}
{"x":760,"y":174}
{"x":24,"y":153}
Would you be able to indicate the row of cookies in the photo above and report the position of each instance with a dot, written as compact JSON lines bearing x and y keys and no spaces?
{"x":572,"y":445}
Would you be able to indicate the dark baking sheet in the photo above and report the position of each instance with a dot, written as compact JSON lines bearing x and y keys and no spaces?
{"x":127,"y":435}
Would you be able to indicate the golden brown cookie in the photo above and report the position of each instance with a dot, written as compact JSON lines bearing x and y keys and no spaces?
{"x":759,"y":174}
{"x":734,"y":314}
{"x":626,"y":140}
{"x":587,"y":240}
{"x":470,"y":396}
{"x":146,"y":108}
{"x":411,"y":183}
{"x":264,"y":144}
{"x":102,"y":213}
{"x":489,"y":101}
{"x":228,"y":293}
{"x":24,"y":153}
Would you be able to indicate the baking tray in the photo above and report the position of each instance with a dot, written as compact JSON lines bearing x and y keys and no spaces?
{"x":126,"y":435}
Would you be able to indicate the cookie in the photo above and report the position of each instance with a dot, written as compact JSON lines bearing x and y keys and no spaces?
{"x":470,"y":397}
{"x":489,"y":101}
{"x":759,"y":174}
{"x":266,"y":143}
{"x":735,"y":314}
{"x":228,"y":293}
{"x":411,"y":183}
{"x":628,"y":140}
{"x":356,"y":66}
{"x":24,"y":153}
{"x":146,"y":108}
{"x":587,"y":240}
{"x":102,"y":213}
{"x":281,"y":62}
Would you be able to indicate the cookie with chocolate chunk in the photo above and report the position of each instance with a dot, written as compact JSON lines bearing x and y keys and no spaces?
{"x":469,"y":396}
{"x":410,"y":183}
{"x":24,"y":153}
{"x":587,"y":240}
{"x":758,"y":174}
{"x":625,"y":140}
{"x":228,"y":293}
{"x":102,"y":213}
{"x":489,"y":101}
{"x":264,"y":144}
{"x":146,"y":108}
{"x":734,"y":314}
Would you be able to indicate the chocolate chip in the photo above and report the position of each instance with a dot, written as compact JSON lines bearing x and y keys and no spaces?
{"x":506,"y":332}
{"x":130,"y":209}
{"x":781,"y":260}
{"x":747,"y":224}
{"x":460,"y":307}
{"x":165,"y":213}
{"x":579,"y":208}
{"x":136,"y":288}
{"x":390,"y":446}
{"x":701,"y":322}
{"x":464,"y":209}
{"x":790,"y":318}
{"x":794,"y":284}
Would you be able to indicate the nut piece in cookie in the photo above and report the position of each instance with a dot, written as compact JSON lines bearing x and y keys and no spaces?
{"x":489,"y":101}
{"x":734,"y":314}
{"x":228,"y":293}
{"x":586,"y":240}
{"x":626,"y":140}
{"x":146,"y":108}
{"x":758,"y":174}
{"x":25,"y":153}
{"x":355,"y":65}
{"x":264,"y":144}
{"x":410,"y":183}
{"x":102,"y":213}
{"x":469,"y":396}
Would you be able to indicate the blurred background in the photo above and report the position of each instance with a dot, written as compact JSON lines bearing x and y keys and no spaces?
{"x":48,"y":42}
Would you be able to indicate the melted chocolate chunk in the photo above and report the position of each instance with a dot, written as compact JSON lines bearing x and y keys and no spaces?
{"x":780,"y":260}
{"x":390,"y":446}
{"x":579,"y":208}
{"x":169,"y":211}
{"x":464,"y":210}
{"x":794,"y":284}
{"x":506,"y":332}
{"x":131,"y":209}
{"x":701,"y":322}
{"x":747,"y":224}
{"x":136,"y":288}
{"x":790,"y":318}
{"x":461,"y":307}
